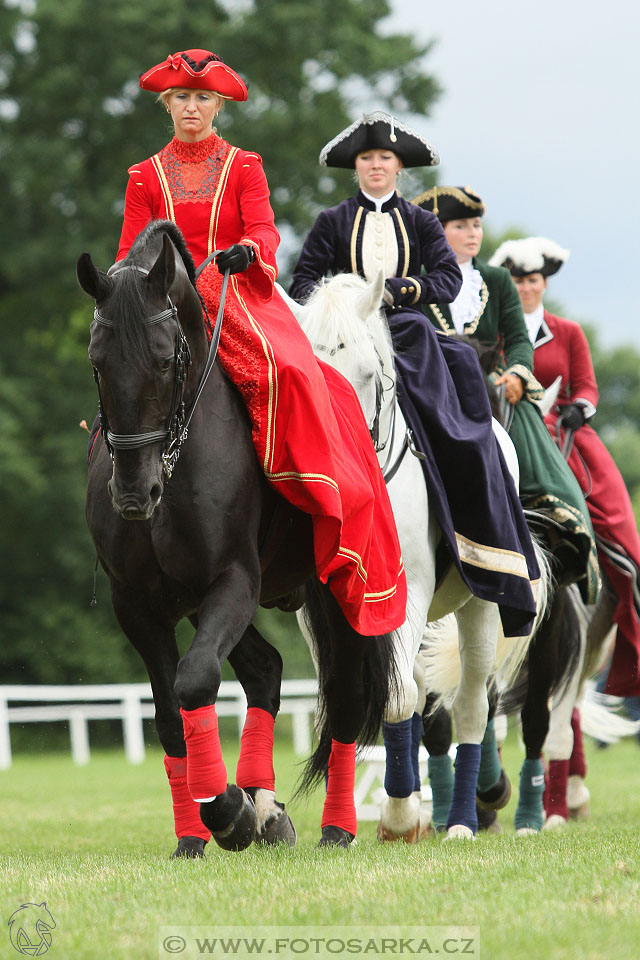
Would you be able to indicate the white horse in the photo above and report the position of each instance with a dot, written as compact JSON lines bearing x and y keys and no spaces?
{"x":348,"y":330}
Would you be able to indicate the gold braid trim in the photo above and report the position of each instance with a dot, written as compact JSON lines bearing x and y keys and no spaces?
{"x":354,"y":239}
{"x":533,"y":388}
{"x":469,"y":328}
{"x":454,"y":192}
{"x":405,"y":240}
{"x":164,"y":185}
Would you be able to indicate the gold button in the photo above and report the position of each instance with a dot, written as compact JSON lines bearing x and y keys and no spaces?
{"x":412,"y":289}
{"x":403,"y":289}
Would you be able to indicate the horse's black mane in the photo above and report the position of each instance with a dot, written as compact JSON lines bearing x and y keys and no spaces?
{"x":148,"y":235}
{"x":127,"y":308}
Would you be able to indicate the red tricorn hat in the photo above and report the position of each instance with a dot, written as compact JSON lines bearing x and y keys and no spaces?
{"x":197,"y":70}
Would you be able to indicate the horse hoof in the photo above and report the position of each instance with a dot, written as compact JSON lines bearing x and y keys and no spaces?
{"x":336,"y":837}
{"x":497,"y":797}
{"x":526,"y":832}
{"x":578,"y":798}
{"x":427,"y":830}
{"x":554,"y":822}
{"x":385,"y":835}
{"x":190,"y":847}
{"x":459,"y":832}
{"x":399,"y":820}
{"x":580,"y":813}
{"x":488,"y":821}
{"x":279,"y":829}
{"x":273,"y":824}
{"x":241,"y":829}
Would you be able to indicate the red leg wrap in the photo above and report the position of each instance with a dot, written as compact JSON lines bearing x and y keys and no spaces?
{"x":255,"y":764}
{"x":555,"y":793}
{"x":206,"y":772}
{"x":339,"y":805}
{"x":186,"y":812}
{"x":577,"y":763}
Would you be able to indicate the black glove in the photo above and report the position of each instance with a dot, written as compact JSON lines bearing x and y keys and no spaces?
{"x":402,"y":291}
{"x":236,"y":258}
{"x":572,"y":416}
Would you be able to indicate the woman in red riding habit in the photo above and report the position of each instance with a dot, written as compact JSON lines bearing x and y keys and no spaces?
{"x":308,"y":429}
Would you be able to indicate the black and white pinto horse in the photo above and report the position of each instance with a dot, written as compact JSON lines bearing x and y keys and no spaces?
{"x":203,"y":537}
{"x":564,"y":654}
{"x":347,"y":329}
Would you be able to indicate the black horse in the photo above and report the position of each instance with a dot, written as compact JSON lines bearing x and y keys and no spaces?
{"x":215,"y":541}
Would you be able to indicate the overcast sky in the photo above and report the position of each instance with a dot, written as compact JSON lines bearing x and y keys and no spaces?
{"x":540,"y":115}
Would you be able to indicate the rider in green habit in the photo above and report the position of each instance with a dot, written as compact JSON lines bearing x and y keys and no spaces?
{"x":488,"y":309}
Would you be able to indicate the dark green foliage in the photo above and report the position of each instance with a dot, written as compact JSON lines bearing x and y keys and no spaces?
{"x":72,"y":120}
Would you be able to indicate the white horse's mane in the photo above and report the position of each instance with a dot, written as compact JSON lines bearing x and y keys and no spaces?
{"x":344,"y":312}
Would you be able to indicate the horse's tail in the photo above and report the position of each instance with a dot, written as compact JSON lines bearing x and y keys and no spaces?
{"x":327,"y":625}
{"x":599,"y":717}
{"x":439,"y":651}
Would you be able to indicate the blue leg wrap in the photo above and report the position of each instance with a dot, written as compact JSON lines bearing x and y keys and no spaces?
{"x":416,"y":740}
{"x":490,"y":766}
{"x":529,"y":810}
{"x":398,"y":777}
{"x":441,"y":780}
{"x":463,"y":802}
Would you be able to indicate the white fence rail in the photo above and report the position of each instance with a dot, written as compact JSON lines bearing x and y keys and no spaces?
{"x":132,"y":703}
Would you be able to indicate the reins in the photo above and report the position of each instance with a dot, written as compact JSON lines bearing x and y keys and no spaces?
{"x":178,"y":420}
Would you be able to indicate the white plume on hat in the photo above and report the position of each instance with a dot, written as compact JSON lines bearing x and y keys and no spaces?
{"x":530,"y":255}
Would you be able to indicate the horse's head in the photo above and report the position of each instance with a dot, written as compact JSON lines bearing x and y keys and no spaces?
{"x":347,"y":329}
{"x":139,"y":352}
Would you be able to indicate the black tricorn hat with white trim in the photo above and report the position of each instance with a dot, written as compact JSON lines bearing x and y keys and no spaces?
{"x":451,"y":203}
{"x":378,"y":131}
{"x":530,"y":255}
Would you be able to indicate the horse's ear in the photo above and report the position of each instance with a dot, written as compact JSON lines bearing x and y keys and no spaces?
{"x":93,"y":281}
{"x":376,"y":290}
{"x":163,"y":272}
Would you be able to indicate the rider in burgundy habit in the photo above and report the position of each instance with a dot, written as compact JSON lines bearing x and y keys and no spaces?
{"x":561,"y":350}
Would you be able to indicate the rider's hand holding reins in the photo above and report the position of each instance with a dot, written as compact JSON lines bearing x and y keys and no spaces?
{"x":513,"y":387}
{"x":235,"y":258}
{"x":571,"y":416}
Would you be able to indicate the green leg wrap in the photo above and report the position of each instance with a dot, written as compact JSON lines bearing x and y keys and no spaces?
{"x":529,"y":812}
{"x":441,"y":780}
{"x":490,"y":766}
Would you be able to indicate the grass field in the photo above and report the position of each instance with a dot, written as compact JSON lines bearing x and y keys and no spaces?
{"x":94,"y":842}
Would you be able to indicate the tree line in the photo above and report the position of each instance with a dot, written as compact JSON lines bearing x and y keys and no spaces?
{"x":72,"y":120}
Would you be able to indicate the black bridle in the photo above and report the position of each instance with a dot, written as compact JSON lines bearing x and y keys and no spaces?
{"x":176,"y":427}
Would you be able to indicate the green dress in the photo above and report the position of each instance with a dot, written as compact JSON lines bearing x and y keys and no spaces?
{"x":547,"y":484}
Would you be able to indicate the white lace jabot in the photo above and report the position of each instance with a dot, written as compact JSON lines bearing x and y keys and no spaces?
{"x":534,"y":322}
{"x":467,"y":304}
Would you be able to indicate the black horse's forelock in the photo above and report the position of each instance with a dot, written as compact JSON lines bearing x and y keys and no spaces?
{"x":127,"y":308}
{"x":148,"y":235}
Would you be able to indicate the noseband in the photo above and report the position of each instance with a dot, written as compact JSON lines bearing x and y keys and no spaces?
{"x":177,"y":424}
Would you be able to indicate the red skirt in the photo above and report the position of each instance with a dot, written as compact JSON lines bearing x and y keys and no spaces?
{"x":313,"y":444}
{"x":618,"y":546}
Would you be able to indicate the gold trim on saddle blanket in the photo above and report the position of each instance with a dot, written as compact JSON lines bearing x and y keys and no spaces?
{"x":491,"y":558}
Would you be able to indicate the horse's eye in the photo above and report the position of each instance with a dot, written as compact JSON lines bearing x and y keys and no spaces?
{"x":165,"y":366}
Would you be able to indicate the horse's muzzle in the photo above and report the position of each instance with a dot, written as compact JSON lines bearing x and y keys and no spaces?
{"x":134,"y":506}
